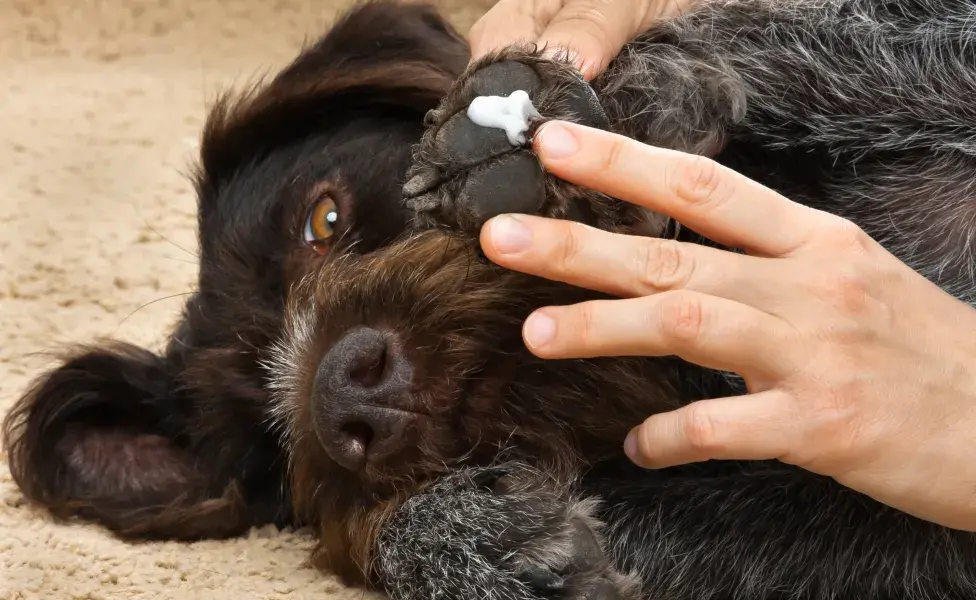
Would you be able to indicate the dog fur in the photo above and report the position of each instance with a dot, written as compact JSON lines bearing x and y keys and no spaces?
{"x":504,"y":476}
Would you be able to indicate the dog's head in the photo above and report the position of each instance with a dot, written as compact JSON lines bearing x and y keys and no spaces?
{"x":332,"y":359}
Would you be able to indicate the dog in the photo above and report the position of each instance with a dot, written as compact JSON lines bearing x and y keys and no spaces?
{"x":349,"y":363}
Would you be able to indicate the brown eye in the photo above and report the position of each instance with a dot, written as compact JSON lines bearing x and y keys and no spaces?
{"x":320,"y":225}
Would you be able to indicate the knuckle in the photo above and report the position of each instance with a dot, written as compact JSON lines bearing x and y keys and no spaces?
{"x":698,"y":181}
{"x":585,"y":17}
{"x":613,"y":157}
{"x":848,"y":291}
{"x":585,"y":323}
{"x":661,"y":264}
{"x":568,"y":248}
{"x":699,"y":430}
{"x":843,"y":235}
{"x":682,"y":318}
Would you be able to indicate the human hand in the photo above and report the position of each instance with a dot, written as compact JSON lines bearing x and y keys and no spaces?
{"x":593,"y":30}
{"x":857,"y":367}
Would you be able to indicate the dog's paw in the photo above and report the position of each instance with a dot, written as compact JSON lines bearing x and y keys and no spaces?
{"x":464,"y":172}
{"x":504,"y":533}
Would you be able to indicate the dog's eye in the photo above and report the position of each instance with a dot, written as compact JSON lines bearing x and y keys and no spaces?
{"x":321,"y":223}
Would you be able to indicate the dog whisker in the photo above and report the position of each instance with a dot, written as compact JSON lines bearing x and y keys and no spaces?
{"x":147,"y":304}
{"x":357,"y":368}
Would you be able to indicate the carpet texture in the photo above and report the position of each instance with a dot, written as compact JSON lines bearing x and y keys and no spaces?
{"x":100,"y":111}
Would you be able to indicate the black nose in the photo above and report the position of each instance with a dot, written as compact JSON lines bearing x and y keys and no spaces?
{"x":358,"y":387}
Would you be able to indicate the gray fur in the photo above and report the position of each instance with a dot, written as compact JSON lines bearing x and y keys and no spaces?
{"x":861,"y":108}
{"x":874,"y":99}
{"x":480,"y":532}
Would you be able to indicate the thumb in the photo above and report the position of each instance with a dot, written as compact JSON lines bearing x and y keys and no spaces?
{"x":754,"y":427}
{"x":510,"y":22}
{"x":594,"y":31}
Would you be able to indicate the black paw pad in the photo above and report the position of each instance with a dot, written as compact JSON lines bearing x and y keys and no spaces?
{"x":501,"y":79}
{"x":462,"y":143}
{"x":515,"y":183}
{"x":465,"y":173}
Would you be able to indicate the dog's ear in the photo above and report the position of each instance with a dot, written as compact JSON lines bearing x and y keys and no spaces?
{"x":102,"y":437}
{"x":380,"y":60}
{"x":383,"y":32}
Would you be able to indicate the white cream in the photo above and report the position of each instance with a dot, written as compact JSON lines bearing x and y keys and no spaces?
{"x":510,"y":113}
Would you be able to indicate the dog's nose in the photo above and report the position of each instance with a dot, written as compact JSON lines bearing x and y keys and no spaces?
{"x":357,"y":387}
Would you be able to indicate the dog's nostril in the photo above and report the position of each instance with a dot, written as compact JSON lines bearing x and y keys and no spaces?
{"x":358,"y":396}
{"x":367,"y":373}
{"x":358,"y":434}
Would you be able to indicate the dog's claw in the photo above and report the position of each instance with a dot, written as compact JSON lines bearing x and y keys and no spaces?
{"x":540,"y":578}
{"x":420,"y":183}
{"x":486,"y":479}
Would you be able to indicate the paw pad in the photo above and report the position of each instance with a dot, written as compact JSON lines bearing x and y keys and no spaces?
{"x":466,"y":173}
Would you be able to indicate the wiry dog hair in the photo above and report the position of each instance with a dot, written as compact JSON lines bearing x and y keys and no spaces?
{"x":349,"y":362}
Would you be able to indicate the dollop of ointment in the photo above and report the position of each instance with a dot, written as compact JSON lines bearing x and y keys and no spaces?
{"x":510,"y":113}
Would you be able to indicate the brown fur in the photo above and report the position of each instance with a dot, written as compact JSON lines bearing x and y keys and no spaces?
{"x":514,"y":463}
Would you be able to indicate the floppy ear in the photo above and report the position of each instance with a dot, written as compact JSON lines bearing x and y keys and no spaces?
{"x":103,"y":438}
{"x":380,"y":58}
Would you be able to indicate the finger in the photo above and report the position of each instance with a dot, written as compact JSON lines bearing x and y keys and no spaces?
{"x":759,"y":426}
{"x":696,"y":191}
{"x":706,"y":330}
{"x":595,"y":30}
{"x":510,"y":22}
{"x":626,"y":265}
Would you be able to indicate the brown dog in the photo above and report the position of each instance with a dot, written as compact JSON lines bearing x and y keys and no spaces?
{"x":348,"y":362}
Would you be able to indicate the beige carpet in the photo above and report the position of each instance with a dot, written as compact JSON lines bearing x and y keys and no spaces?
{"x":100,"y":106}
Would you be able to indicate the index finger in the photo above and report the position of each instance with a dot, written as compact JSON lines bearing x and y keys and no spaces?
{"x":701,"y":194}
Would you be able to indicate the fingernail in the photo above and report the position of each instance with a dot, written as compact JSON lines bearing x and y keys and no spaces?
{"x":556,"y":141}
{"x":564,"y":54}
{"x":540,"y":329}
{"x":589,"y":69}
{"x":509,"y":235}
{"x":630,"y":445}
